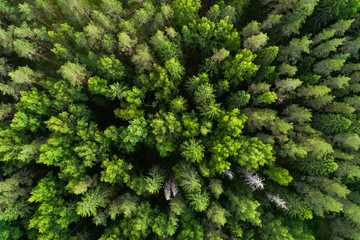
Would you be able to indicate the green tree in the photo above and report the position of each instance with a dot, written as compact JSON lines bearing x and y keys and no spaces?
{"x":115,"y":170}
{"x":217,"y":214}
{"x":92,"y":200}
{"x":325,"y":67}
{"x":192,"y":150}
{"x":154,"y":180}
{"x":134,"y":133}
{"x":331,"y":123}
{"x":293,"y":51}
{"x":240,"y":68}
{"x":279,"y":175}
{"x":75,"y":73}
{"x":142,"y":58}
{"x":188,"y":177}
{"x":185,"y":11}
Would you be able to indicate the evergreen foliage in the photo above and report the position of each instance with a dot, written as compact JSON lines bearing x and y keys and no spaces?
{"x":182,"y":119}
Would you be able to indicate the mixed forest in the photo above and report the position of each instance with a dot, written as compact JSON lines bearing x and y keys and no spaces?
{"x":179,"y":119}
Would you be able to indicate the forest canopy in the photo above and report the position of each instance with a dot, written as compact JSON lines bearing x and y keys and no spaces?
{"x":179,"y":119}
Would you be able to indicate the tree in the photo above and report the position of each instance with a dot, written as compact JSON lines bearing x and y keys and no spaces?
{"x":297,"y":113}
{"x":25,"y":75}
{"x":313,"y":91}
{"x":115,"y":170}
{"x":258,"y":118}
{"x":331,"y":123}
{"x":175,"y":69}
{"x":256,"y":42}
{"x":287,"y":85}
{"x":165,"y":226}
{"x":265,"y":98}
{"x":323,"y":35}
{"x":126,"y":43}
{"x":75,"y":73}
{"x":25,"y":49}
{"x":216,"y":187}
{"x":349,"y":141}
{"x":287,"y":69}
{"x":239,"y":99}
{"x":243,"y":209}
{"x":188,"y":177}
{"x":254,"y":153}
{"x":259,"y":88}
{"x":178,"y":104}
{"x":217,"y":214}
{"x":190,"y":123}
{"x":339,"y":82}
{"x":325,"y":67}
{"x":213,"y":14}
{"x":192,"y":150}
{"x":92,"y":200}
{"x":279,"y":175}
{"x":185,"y":11}
{"x":252,"y":28}
{"x":134,"y":133}
{"x":275,"y":230}
{"x":240,"y":68}
{"x":142,"y":58}
{"x":320,"y":203}
{"x":199,"y":201}
{"x":139,"y":225}
{"x":154,"y":180}
{"x":111,"y":68}
{"x":211,"y":110}
{"x":94,"y":34}
{"x":323,"y":50}
{"x":340,"y":108}
{"x":293,"y":20}
{"x":352,"y":47}
{"x":292,"y":52}
{"x":166,"y":129}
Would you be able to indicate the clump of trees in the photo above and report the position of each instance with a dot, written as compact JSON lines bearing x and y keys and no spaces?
{"x":183,"y":119}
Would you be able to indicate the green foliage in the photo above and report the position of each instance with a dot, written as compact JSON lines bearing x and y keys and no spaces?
{"x":134,"y":133}
{"x":181,"y":119}
{"x":240,"y":68}
{"x":199,"y":201}
{"x":320,"y":203}
{"x":191,"y":230}
{"x":279,"y":175}
{"x":254,"y":153}
{"x":188,"y":177}
{"x":154,"y":180}
{"x":111,"y":68}
{"x":217,"y":214}
{"x":92,"y":200}
{"x":190,"y":123}
{"x":294,"y":50}
{"x":115,"y":170}
{"x":243,"y":209}
{"x":76,"y":74}
{"x":192,"y":150}
{"x":239,"y":99}
{"x":266,"y":98}
{"x":98,"y":85}
{"x":8,"y":231}
{"x":216,"y":187}
{"x":331,"y":123}
{"x":275,"y":230}
{"x":185,"y":11}
{"x":210,"y":35}
{"x":165,"y":226}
